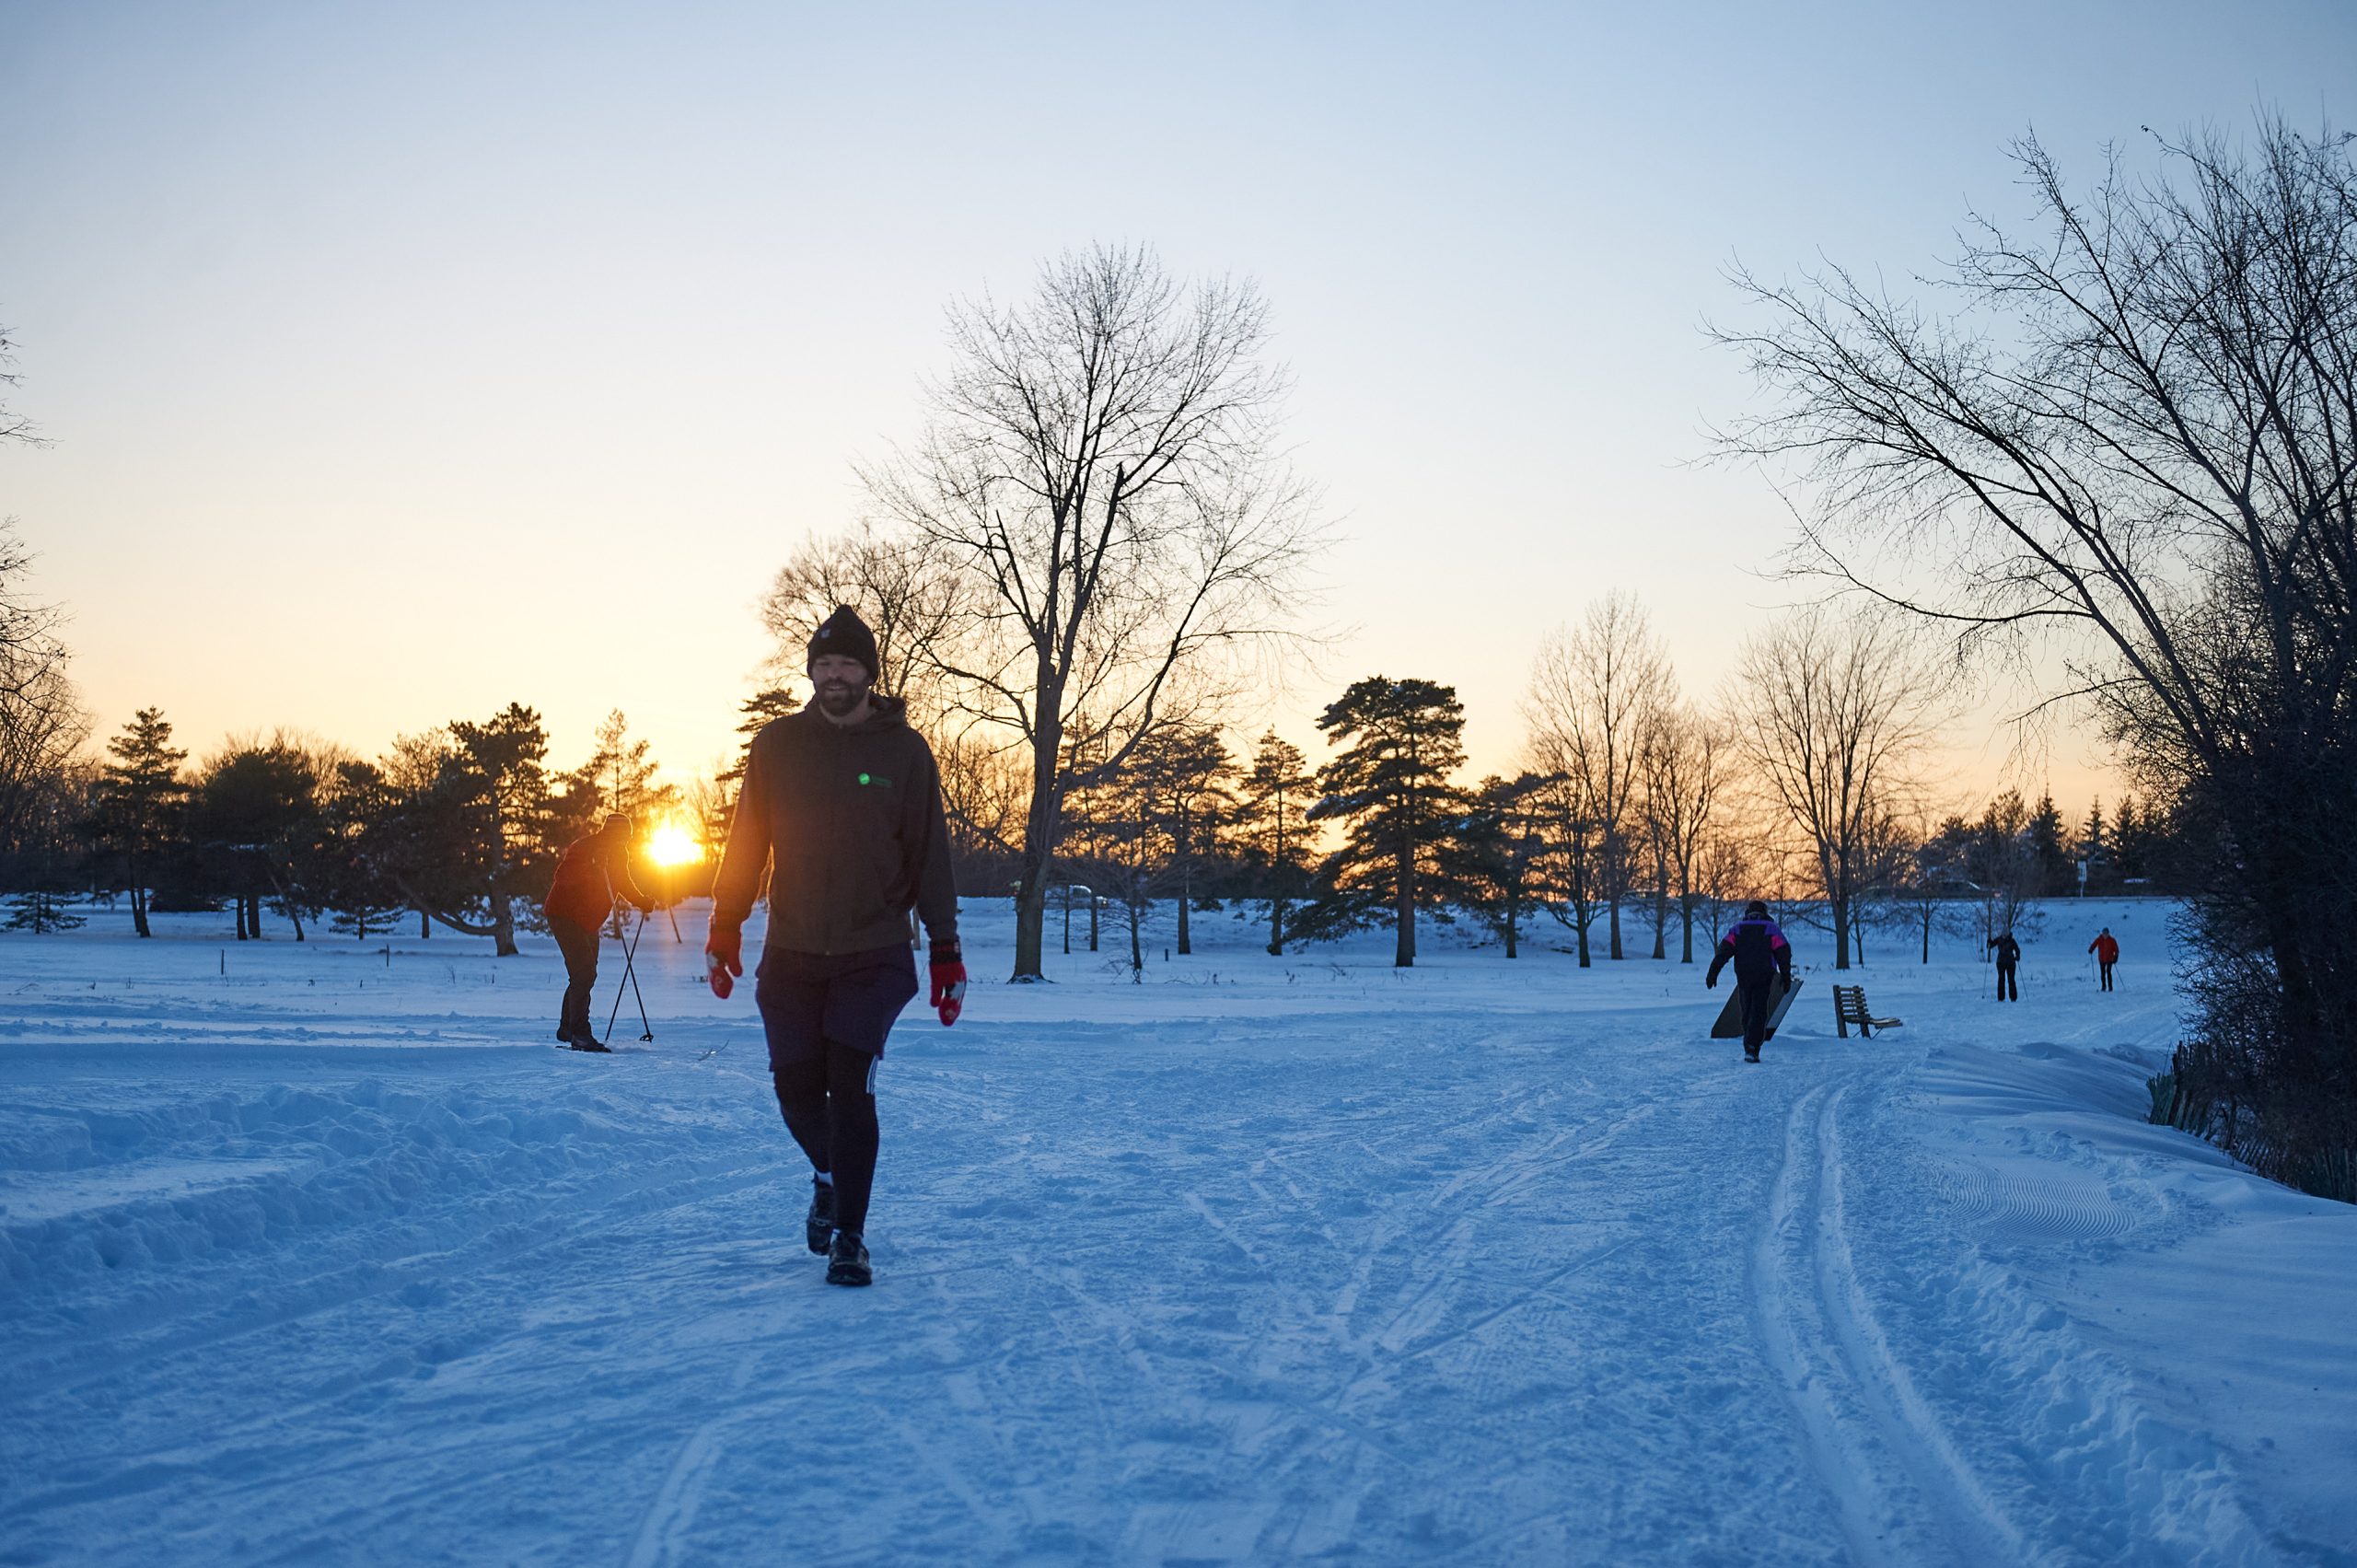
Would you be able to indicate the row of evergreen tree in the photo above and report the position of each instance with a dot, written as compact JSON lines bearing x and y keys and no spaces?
{"x":459,"y":826}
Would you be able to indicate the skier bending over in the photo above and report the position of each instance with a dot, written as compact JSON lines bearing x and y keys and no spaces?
{"x":2009,"y":959}
{"x":593,"y":871}
{"x":843,"y":800}
{"x":2105,"y":947}
{"x":1757,"y":947}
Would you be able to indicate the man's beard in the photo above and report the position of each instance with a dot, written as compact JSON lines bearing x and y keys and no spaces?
{"x":840,"y":699}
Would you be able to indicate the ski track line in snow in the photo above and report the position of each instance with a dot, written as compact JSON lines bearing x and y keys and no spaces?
{"x":1873,"y":1443}
{"x":663,"y":1528}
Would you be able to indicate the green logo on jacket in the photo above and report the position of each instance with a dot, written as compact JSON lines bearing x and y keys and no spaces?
{"x":875,"y":779}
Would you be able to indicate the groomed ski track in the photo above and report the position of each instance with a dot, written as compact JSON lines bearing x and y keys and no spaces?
{"x":1479,"y":1264}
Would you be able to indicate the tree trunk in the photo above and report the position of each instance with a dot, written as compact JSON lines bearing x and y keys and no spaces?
{"x":1186,"y":884}
{"x":502,"y":926}
{"x":1403,"y":911}
{"x":1276,"y":925}
{"x":1686,"y":916}
{"x":1586,"y":961}
{"x":1840,"y":933}
{"x":1512,"y":950}
{"x":425,"y":923}
{"x":1613,"y":903}
{"x":139,"y":906}
{"x":1092,"y":921}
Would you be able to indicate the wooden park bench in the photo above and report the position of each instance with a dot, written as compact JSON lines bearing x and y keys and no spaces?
{"x":1850,"y":1008}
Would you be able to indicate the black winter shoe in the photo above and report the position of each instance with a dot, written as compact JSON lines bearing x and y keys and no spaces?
{"x":1751,"y":1056}
{"x":589,"y":1043}
{"x":820,"y":1224}
{"x":847,"y":1261}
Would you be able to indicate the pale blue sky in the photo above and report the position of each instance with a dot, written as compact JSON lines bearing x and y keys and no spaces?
{"x":401,"y":361}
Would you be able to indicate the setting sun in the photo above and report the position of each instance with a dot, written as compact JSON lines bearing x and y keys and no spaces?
{"x":671,"y":844}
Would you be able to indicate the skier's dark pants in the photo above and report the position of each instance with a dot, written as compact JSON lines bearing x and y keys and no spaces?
{"x":579,"y":945}
{"x":2107,"y":977}
{"x":826,"y":1020}
{"x":2008,"y":988}
{"x":1754,"y":996}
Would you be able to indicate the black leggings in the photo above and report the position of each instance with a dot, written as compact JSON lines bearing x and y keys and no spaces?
{"x":579,"y":945}
{"x":829,"y":1101}
{"x":2008,"y":988}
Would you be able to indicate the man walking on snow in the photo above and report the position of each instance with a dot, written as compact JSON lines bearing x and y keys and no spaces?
{"x":843,"y":800}
{"x":2009,"y":959}
{"x":2105,"y":947}
{"x":594,"y":870}
{"x":1757,"y":947}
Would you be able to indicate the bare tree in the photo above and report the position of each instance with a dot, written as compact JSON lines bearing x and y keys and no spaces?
{"x":1101,"y":460}
{"x":907,"y":595}
{"x":1685,"y":777}
{"x":2131,"y":442}
{"x":41,"y":720}
{"x":1594,"y":689}
{"x":1832,"y":712}
{"x":14,"y":427}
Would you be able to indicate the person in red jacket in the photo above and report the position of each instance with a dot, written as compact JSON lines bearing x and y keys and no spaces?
{"x":593,"y":871}
{"x":2105,"y":947}
{"x":842,"y":803}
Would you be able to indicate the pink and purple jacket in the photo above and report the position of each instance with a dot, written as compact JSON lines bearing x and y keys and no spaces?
{"x":1757,"y":947}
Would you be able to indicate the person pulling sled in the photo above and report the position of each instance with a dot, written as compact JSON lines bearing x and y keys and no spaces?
{"x":1755,"y":946}
{"x":843,"y":800}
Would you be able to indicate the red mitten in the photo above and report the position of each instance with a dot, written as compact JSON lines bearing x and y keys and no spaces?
{"x":948,"y":981}
{"x":723,"y":957}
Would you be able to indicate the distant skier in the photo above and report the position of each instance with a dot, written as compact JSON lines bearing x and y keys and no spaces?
{"x":593,"y":871}
{"x":844,"y":799}
{"x":1756,"y":946}
{"x":2009,"y":958}
{"x":2105,"y":947}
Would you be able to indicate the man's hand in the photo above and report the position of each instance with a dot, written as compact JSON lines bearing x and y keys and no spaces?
{"x":948,"y":980}
{"x":722,"y":957}
{"x":1711,"y":981}
{"x":647,"y":909}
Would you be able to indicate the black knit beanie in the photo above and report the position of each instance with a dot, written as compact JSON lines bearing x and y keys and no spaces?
{"x":845,"y":633}
{"x":1756,"y":907}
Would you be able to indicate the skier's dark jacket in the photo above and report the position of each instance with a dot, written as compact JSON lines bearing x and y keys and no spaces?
{"x":2009,"y":952}
{"x":851,"y":820}
{"x":591,"y":871}
{"x":1757,"y":946}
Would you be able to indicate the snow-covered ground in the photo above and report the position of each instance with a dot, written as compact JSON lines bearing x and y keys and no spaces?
{"x":326,"y":1254}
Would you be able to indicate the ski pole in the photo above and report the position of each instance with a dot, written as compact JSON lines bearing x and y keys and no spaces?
{"x":630,"y":950}
{"x":646,"y":1030}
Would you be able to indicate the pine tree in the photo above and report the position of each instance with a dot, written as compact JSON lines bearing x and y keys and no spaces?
{"x":1184,"y":773}
{"x":1391,"y":788}
{"x":1492,"y":863}
{"x":622,"y":772}
{"x":2049,"y":848}
{"x":140,"y":797}
{"x":1276,"y":795}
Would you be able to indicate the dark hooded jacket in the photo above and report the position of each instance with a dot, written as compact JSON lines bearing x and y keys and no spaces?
{"x":1756,"y":946}
{"x":850,"y":821}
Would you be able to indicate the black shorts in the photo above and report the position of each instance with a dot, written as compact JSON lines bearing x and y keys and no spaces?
{"x":851,"y":999}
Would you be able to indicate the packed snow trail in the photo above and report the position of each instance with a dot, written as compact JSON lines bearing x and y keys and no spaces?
{"x":1477,"y":1263}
